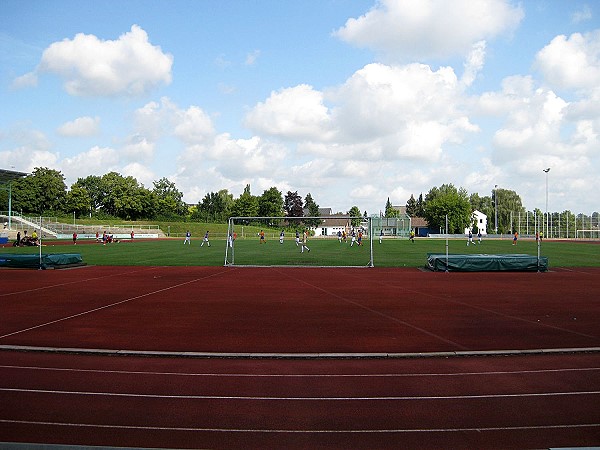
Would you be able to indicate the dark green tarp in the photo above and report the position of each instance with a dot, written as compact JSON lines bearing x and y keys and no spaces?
{"x":486,"y":263}
{"x":47,"y":261}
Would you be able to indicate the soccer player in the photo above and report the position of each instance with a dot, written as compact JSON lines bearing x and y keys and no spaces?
{"x":380,"y":235}
{"x":188,"y":237}
{"x":359,"y":240}
{"x":262,"y":237}
{"x":353,"y":240}
{"x":281,"y":236}
{"x":479,"y":236}
{"x":470,"y":239}
{"x":515,"y":238}
{"x":304,"y":241}
{"x":339,"y":236}
{"x":75,"y":238}
{"x":205,"y":239}
{"x":297,"y":238}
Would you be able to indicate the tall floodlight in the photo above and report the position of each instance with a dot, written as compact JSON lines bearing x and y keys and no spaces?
{"x":547,"y":170}
{"x":496,"y":209}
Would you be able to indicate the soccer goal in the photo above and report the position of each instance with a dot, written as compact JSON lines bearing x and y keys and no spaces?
{"x":587,"y":234}
{"x":324,"y":241}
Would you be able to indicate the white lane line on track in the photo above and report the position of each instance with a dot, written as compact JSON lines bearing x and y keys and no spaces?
{"x":257,"y":430}
{"x":147,"y":294}
{"x":287,"y":399}
{"x":82,"y":280}
{"x":306,"y":375}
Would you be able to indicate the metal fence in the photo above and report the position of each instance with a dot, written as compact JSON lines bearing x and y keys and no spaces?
{"x":564,"y":225}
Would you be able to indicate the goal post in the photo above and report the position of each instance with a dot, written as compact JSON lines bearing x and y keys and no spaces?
{"x":308,"y":241}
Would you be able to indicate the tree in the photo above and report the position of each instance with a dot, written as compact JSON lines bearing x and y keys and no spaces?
{"x":211,"y":208}
{"x":355,"y":215}
{"x":78,"y":200}
{"x":125,"y":198}
{"x":448,"y":201}
{"x":42,"y":191}
{"x":312,"y":210}
{"x":292,"y":204}
{"x":94,"y":187}
{"x":246,"y":205}
{"x":169,"y":199}
{"x":509,"y":205}
{"x":390,"y":211}
{"x":270,"y":203}
{"x":420,"y":208}
{"x":411,"y":206}
{"x":485,"y":205}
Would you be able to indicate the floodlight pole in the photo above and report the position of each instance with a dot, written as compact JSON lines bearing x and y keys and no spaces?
{"x":446,"y":243}
{"x":496,"y":209}
{"x":547,"y":170}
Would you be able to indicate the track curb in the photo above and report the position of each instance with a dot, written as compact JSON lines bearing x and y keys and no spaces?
{"x":255,"y":355}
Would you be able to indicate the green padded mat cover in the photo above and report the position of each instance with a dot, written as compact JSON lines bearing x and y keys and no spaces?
{"x":487,"y":263}
{"x":47,"y":261}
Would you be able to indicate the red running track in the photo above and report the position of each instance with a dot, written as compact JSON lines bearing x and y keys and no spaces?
{"x":539,"y":401}
{"x":274,"y":310}
{"x":535,"y":400}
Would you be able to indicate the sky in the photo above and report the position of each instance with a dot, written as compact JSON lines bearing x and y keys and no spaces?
{"x":352,"y":101}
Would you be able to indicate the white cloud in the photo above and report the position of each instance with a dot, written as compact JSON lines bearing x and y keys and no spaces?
{"x":193,"y":125}
{"x":532,"y":127}
{"x":252,"y":57}
{"x":24,"y":81}
{"x":96,"y":161}
{"x":585,"y":13}
{"x":139,"y":149}
{"x":155,"y":120}
{"x":571,"y":63}
{"x":141,"y":173}
{"x":80,"y":127}
{"x":292,"y":113}
{"x":410,"y":111}
{"x":416,"y":30}
{"x":89,"y":66}
{"x":474,"y":63}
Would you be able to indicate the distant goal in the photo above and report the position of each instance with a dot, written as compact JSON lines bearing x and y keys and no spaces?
{"x":587,"y":234}
{"x":313,"y":241}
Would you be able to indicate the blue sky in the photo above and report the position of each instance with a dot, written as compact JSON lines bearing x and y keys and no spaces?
{"x":351,"y":101}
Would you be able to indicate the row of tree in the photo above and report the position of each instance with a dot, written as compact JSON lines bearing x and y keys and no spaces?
{"x":44,"y":192}
{"x":458,"y":206}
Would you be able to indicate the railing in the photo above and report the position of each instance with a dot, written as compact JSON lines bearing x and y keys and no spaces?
{"x":51,"y":225}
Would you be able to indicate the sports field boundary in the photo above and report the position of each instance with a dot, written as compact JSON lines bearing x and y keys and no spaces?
{"x":303,"y":356}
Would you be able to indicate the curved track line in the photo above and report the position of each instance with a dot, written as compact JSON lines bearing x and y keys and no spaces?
{"x":307,"y":375}
{"x":286,"y":399}
{"x":256,"y":430}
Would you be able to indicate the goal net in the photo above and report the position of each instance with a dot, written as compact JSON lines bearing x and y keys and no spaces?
{"x":324,"y":241}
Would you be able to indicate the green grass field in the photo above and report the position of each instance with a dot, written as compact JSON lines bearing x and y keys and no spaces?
{"x":324,"y":252}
